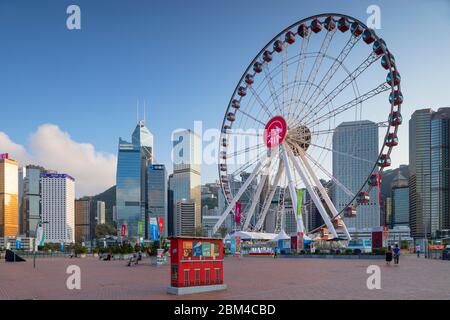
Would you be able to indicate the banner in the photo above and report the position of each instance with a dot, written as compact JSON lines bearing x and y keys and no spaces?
{"x":161,"y":224}
{"x":18,"y":243}
{"x":140,"y":228}
{"x":40,"y":237}
{"x":62,"y":246}
{"x":299,"y":202}
{"x":299,"y":241}
{"x":123,"y":230}
{"x":237,"y":211}
{"x":154,"y":229}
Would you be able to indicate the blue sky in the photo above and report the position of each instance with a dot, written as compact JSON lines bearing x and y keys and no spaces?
{"x":183,"y":57}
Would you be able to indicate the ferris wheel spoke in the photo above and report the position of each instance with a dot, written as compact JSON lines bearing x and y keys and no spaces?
{"x":330,"y":176}
{"x":341,"y":86}
{"x":247,"y":164}
{"x":251,"y":117}
{"x":248,"y":149}
{"x":341,"y":153}
{"x":260,"y":101}
{"x":355,"y":102}
{"x":299,"y":72}
{"x":317,"y":64}
{"x":269,"y":80}
{"x":333,"y":69}
{"x":382,"y":124}
{"x":232,"y":132}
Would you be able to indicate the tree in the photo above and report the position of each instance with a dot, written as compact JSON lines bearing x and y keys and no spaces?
{"x":103,"y":230}
{"x":200,"y":231}
{"x":223,"y":231}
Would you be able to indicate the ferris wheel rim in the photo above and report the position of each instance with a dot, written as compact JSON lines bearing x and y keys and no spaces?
{"x":394,"y":87}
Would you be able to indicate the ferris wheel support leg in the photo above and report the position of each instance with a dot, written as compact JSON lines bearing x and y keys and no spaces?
{"x":255,"y":199}
{"x":314,"y":195}
{"x":269,"y":199}
{"x":322,"y":191}
{"x":240,"y":192}
{"x":292,"y":190}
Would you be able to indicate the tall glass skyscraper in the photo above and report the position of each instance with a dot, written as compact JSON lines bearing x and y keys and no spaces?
{"x":355,"y":146}
{"x":400,"y":201}
{"x":131,"y":181}
{"x":186,"y":181}
{"x":9,"y":202}
{"x":157,"y":194}
{"x":429,"y":156}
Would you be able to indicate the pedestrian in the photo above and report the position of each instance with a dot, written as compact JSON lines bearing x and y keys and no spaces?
{"x":389,"y":255}
{"x":418,"y":250}
{"x":275,"y":253}
{"x":396,"y":254}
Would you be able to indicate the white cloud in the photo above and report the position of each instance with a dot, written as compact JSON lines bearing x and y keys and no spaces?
{"x":54,"y":149}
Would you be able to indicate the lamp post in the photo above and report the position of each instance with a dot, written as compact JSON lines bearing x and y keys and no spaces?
{"x":40,"y":223}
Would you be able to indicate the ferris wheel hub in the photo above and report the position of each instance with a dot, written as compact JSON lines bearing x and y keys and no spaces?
{"x":275,"y":132}
{"x":298,"y":138}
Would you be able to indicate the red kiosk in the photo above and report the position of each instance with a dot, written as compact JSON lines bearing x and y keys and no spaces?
{"x":196,"y":265}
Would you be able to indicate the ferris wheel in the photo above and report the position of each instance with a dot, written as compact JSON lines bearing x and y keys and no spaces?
{"x":277,"y":133}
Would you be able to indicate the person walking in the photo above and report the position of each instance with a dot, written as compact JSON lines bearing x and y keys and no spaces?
{"x":418,"y":250}
{"x":389,"y":255}
{"x":396,"y":254}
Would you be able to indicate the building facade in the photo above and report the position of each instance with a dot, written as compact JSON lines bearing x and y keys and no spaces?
{"x":355,"y":151}
{"x":58,"y":207}
{"x":185,"y":218}
{"x":429,"y":165}
{"x":83,"y":230}
{"x":131,"y":180}
{"x":9,"y":197}
{"x":157,"y":194}
{"x":31,"y":202}
{"x":400,"y":202}
{"x":186,"y":180}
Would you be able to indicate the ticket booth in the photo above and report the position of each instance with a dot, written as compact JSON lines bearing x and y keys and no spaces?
{"x":196,"y":265}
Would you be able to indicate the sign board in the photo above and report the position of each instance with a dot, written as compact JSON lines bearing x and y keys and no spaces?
{"x":40,"y":237}
{"x":4,"y":156}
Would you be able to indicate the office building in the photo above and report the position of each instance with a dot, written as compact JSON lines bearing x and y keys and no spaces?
{"x":355,"y":151}
{"x":83,"y":223}
{"x":157,"y":194}
{"x":31,"y":202}
{"x":58,"y":207}
{"x":9,"y":197}
{"x":131,"y":180}
{"x":400,"y":202}
{"x":429,"y":165}
{"x":100,"y":217}
{"x":185,"y":217}
{"x":186,"y":180}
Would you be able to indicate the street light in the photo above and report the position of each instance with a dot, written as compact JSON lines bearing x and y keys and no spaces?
{"x":40,"y":223}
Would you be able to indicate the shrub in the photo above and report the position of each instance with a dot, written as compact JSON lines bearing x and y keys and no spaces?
{"x":348,"y":251}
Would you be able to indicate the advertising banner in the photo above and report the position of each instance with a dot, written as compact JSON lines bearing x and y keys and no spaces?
{"x":154,"y":229}
{"x":206,"y":249}
{"x":299,"y":241}
{"x":3,"y":156}
{"x":123,"y":230}
{"x":237,"y":212}
{"x":197,"y":249}
{"x":40,"y":237}
{"x":18,"y":243}
{"x":140,"y":228}
{"x":238,"y":245}
{"x":161,"y":224}
{"x":233,"y":246}
{"x":62,"y":246}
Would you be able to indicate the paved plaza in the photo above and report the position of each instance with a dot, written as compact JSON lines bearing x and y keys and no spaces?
{"x":247,"y":278}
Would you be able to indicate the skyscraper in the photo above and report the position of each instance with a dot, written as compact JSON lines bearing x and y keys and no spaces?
{"x":157,"y":194}
{"x":131,"y":180}
{"x":400,"y":201}
{"x":58,"y":207}
{"x":355,"y":151}
{"x":185,"y":218}
{"x":9,"y":199}
{"x":429,"y":165}
{"x":186,"y":179}
{"x":83,"y":220}
{"x":31,"y":204}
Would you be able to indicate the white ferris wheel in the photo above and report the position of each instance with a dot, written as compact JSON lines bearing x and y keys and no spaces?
{"x":277,"y":133}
